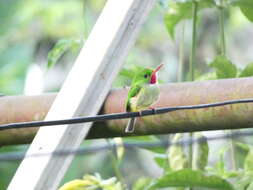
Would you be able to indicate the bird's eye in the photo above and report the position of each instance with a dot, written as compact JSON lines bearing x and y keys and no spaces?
{"x":145,"y":76}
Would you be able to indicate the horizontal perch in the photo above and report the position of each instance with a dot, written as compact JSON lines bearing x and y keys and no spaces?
{"x":114,"y":116}
{"x":34,"y":108}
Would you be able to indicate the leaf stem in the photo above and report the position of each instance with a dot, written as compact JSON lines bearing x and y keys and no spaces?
{"x":180,"y":72}
{"x":115,"y":164}
{"x":194,"y":32}
{"x":192,"y":60}
{"x":232,"y":151}
{"x":192,"y":65}
{"x":222,"y":32}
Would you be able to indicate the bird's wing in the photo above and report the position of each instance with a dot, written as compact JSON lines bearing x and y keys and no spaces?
{"x":147,"y":96}
{"x":132,"y":93}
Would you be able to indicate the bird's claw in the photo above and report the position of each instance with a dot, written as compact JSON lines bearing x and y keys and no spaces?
{"x":153,"y":109}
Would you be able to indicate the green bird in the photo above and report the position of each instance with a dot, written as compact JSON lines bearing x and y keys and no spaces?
{"x":142,"y":94}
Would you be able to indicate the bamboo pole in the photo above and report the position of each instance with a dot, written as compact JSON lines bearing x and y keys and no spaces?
{"x":31,"y":108}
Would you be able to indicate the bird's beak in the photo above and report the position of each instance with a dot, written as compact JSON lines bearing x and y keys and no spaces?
{"x":157,"y":69}
{"x":153,"y":78}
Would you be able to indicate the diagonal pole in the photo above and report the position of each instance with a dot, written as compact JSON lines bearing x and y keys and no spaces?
{"x":83,"y":92}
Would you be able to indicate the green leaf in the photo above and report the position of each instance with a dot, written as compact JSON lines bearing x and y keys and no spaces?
{"x":248,"y":163}
{"x":61,"y":47}
{"x":177,"y":158}
{"x":242,"y":151}
{"x":201,"y":149}
{"x":177,"y":11}
{"x":250,"y":187}
{"x":243,"y":146}
{"x":191,"y":178}
{"x":130,"y":72}
{"x":126,"y":73}
{"x":180,"y":10}
{"x":220,"y":168}
{"x":221,"y":164}
{"x":247,"y":11}
{"x":141,"y":183}
{"x":76,"y":184}
{"x":224,"y":67}
{"x":243,"y":180}
{"x":90,"y":182}
{"x":145,"y":139}
{"x":162,"y":161}
{"x":246,"y":7}
{"x":14,"y":60}
{"x":247,"y":71}
{"x":118,"y":149}
{"x":207,"y":76}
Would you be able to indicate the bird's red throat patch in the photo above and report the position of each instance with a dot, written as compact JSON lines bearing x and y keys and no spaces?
{"x":153,"y":78}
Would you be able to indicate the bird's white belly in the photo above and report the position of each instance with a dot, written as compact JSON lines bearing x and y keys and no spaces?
{"x":147,"y":96}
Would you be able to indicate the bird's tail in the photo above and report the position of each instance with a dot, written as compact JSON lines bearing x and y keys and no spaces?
{"x":130,"y":125}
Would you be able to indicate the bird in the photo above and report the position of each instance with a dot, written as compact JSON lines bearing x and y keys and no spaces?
{"x":142,"y":94}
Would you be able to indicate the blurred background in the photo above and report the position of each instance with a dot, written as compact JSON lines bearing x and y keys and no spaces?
{"x":30,"y":29}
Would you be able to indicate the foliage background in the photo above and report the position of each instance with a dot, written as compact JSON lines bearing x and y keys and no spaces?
{"x":30,"y":29}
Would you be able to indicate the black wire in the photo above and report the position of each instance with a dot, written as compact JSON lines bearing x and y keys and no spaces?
{"x":127,"y":145}
{"x":118,"y":115}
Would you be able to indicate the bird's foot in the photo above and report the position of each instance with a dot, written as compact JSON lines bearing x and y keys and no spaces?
{"x":153,"y":109}
{"x":140,"y":114}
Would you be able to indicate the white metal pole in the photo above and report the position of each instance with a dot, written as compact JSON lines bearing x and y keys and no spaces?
{"x":82,"y":93}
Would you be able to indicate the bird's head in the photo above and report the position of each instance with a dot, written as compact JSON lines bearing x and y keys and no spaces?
{"x":147,"y":76}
